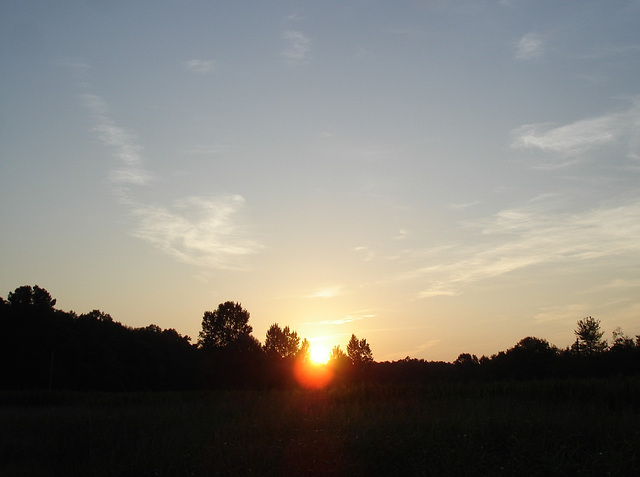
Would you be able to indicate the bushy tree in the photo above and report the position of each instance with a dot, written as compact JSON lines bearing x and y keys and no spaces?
{"x":341,"y":365}
{"x":359,"y":351}
{"x":466,"y":359}
{"x":226,"y":327}
{"x":26,"y":296}
{"x":337,"y":354}
{"x":532,"y":345}
{"x":589,"y":336}
{"x":283,"y":343}
{"x":530,"y":357}
{"x":97,"y":316}
{"x":304,"y":350}
{"x":621,"y":340}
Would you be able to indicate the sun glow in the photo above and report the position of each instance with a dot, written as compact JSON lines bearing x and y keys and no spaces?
{"x":319,"y":354}
{"x":312,"y":375}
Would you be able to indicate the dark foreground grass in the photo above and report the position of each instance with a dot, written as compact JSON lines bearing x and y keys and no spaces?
{"x":587,"y":427}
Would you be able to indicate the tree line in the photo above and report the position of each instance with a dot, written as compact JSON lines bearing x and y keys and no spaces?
{"x":42,"y":347}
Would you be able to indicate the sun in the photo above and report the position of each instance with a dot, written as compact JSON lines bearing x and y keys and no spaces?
{"x":319,"y":354}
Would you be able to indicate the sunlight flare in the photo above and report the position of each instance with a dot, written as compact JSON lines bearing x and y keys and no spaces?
{"x":319,"y":354}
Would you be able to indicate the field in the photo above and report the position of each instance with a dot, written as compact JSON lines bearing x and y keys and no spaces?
{"x":587,"y":427}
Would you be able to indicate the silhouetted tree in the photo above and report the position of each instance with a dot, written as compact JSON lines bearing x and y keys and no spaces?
{"x":247,"y":343}
{"x":283,"y":343}
{"x":589,"y":336}
{"x":225,"y":327}
{"x":620,"y":340}
{"x":341,"y":365}
{"x":466,"y":365}
{"x":304,"y":351}
{"x":337,"y":354}
{"x":624,"y":354}
{"x":531,"y":357}
{"x":466,"y":359}
{"x":97,"y":316}
{"x":36,"y":298}
{"x":359,"y":351}
{"x":31,"y":331}
{"x":230,"y":355}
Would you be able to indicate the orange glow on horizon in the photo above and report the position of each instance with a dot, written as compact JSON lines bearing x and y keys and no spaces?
{"x":313,"y":375}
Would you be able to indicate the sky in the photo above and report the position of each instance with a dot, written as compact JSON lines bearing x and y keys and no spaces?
{"x":437,"y":177}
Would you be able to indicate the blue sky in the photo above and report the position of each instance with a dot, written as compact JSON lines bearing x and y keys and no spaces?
{"x":437,"y":177}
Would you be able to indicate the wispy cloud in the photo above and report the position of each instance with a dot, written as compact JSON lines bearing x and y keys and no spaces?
{"x":537,"y":232}
{"x":463,"y":205}
{"x":521,"y":237}
{"x":439,"y":288}
{"x":200,"y":66}
{"x":417,"y":350}
{"x":350,"y":318}
{"x":125,"y":149}
{"x":402,"y":234}
{"x":297,"y":47}
{"x":295,"y":17}
{"x":571,"y":139}
{"x":201,"y":231}
{"x":582,"y":136}
{"x":369,"y":254}
{"x":562,"y":313}
{"x":196,"y":230}
{"x":620,"y":283}
{"x":329,"y":292}
{"x":530,"y":46}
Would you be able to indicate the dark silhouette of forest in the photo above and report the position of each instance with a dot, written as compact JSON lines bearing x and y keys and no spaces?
{"x":42,"y":347}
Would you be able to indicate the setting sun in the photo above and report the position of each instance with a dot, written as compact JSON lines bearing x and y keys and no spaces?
{"x":319,"y":354}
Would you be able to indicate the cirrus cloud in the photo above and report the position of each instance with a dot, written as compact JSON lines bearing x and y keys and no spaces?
{"x":297,"y":47}
{"x":196,"y":230}
{"x":575,"y":139}
{"x":200,"y":66}
{"x":200,"y":231}
{"x":530,"y":46}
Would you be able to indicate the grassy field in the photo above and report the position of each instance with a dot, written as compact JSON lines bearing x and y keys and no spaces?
{"x":589,"y":427}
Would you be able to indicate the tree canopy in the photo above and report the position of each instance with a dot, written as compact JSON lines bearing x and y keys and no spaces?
{"x":43,"y":347}
{"x":225,"y":327}
{"x":282,"y":342}
{"x":589,"y":336}
{"x":35,"y":297}
{"x":359,"y":351}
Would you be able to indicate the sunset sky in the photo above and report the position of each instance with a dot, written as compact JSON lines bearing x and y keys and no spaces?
{"x":437,"y":177}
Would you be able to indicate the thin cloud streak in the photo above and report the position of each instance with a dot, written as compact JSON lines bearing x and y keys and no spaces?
{"x":341,"y":321}
{"x":199,"y":231}
{"x":582,"y":136}
{"x":350,"y":318}
{"x":298,"y":46}
{"x":530,"y":46}
{"x":529,"y":236}
{"x":536,"y":233}
{"x":200,"y":66}
{"x":125,"y":150}
{"x":412,"y":352}
{"x":572,"y":139}
{"x":329,"y":292}
{"x":620,"y":283}
{"x":562,"y":313}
